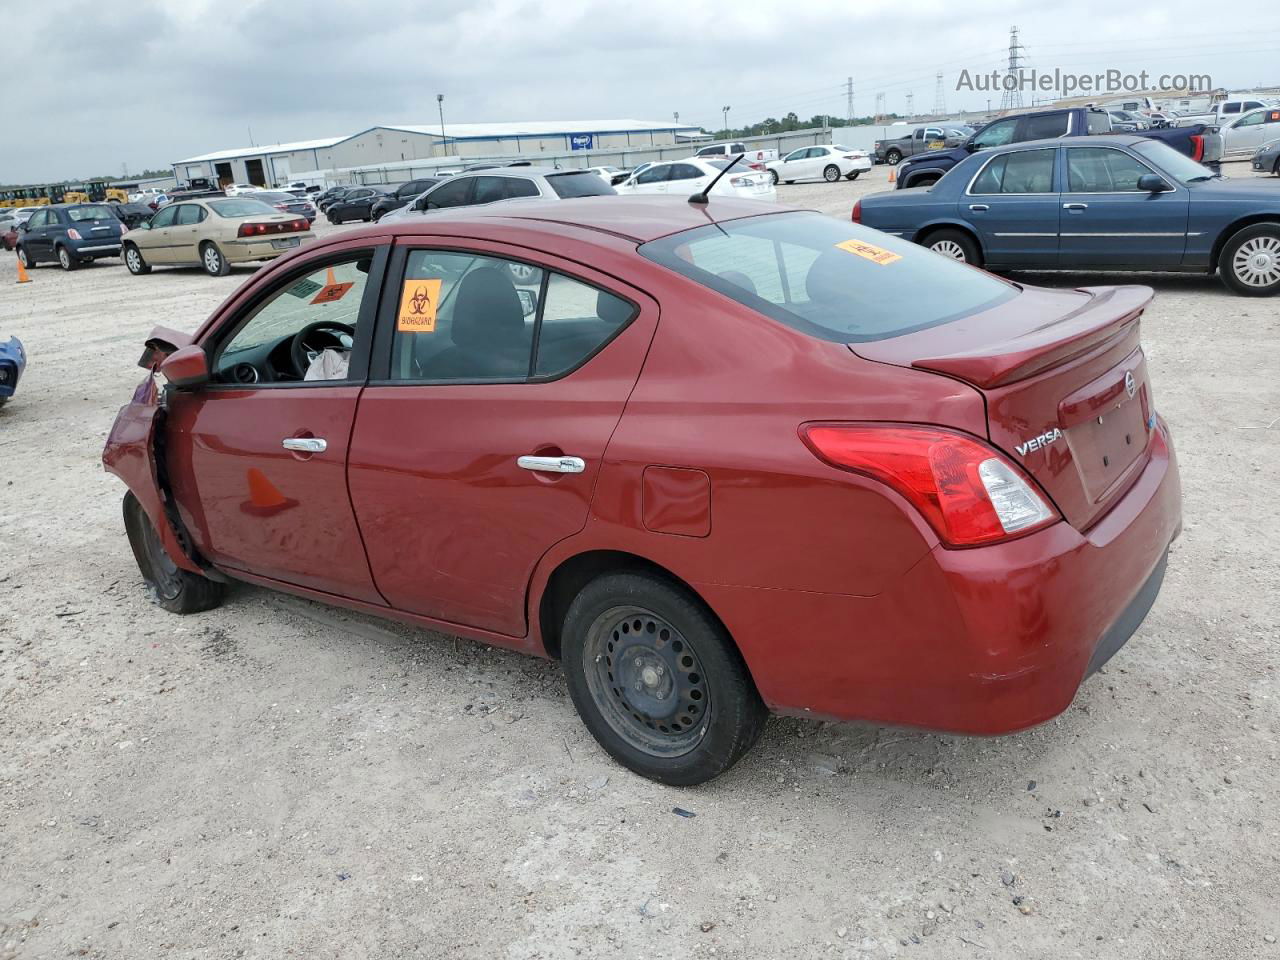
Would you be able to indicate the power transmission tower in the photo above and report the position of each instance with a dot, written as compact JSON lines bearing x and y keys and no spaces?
{"x":911,"y":112}
{"x":939,"y":99}
{"x":1012,"y":98}
{"x":848,"y":92}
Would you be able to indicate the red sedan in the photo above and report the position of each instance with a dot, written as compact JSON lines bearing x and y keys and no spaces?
{"x":718,"y":459}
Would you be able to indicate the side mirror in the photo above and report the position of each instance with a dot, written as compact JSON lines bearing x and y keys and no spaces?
{"x":143,"y":225}
{"x":1151,"y":183}
{"x":972,"y":145}
{"x":188,"y":367}
{"x":528,"y":302}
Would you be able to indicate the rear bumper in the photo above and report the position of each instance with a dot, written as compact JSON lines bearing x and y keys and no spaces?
{"x":239,"y":251}
{"x":984,"y":641}
{"x":95,"y":249}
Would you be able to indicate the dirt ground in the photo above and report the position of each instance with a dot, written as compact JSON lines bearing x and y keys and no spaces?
{"x":277,"y":778}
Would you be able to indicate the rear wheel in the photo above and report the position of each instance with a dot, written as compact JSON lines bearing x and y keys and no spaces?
{"x":172,"y":588}
{"x":1250,"y":261}
{"x":211,"y":258}
{"x":133,"y":260}
{"x":831,"y":174}
{"x":65,"y":260}
{"x":773,"y":177}
{"x":657,"y":680}
{"x":893,"y":157}
{"x":954,"y":245}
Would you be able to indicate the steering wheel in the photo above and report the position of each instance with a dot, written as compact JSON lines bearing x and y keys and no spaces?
{"x":306,"y":345}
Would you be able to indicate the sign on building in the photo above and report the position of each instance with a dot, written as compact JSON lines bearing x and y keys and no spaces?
{"x":581,"y":141}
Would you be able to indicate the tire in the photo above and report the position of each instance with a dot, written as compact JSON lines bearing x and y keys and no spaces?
{"x":134,"y":261}
{"x":65,"y":260}
{"x":172,"y":588}
{"x":893,"y":157}
{"x":378,"y":215}
{"x":211,"y":258}
{"x":954,"y":244}
{"x":853,"y":175}
{"x":831,"y":173}
{"x":1250,"y":261}
{"x":28,"y":263}
{"x":684,"y":709}
{"x":773,"y":177}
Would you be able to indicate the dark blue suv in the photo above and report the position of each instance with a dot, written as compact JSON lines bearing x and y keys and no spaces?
{"x":71,"y":234}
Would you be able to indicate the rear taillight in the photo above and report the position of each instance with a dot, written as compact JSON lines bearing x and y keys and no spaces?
{"x":281,"y":206}
{"x":303,"y":224}
{"x":1197,"y":147}
{"x":969,"y":493}
{"x":284,"y":226}
{"x":857,"y":211}
{"x":73,"y":233}
{"x":756,"y":166}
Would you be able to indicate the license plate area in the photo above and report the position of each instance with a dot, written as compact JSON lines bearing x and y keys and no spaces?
{"x":284,"y":243}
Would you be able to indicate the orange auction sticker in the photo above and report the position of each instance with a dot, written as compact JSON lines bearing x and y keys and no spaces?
{"x":418,"y":303}
{"x":332,"y":292}
{"x":869,"y":251}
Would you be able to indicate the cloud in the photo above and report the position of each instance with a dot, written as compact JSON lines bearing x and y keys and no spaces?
{"x":150,"y":82}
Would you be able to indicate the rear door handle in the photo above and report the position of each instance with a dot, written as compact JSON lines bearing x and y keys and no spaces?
{"x":979,"y":206}
{"x":552,"y":464}
{"x":305,"y":444}
{"x":1075,"y":206}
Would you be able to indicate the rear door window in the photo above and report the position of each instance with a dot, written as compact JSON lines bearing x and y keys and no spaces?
{"x":579,"y":184}
{"x":1025,"y":171}
{"x":828,"y":279}
{"x":1103,"y":170}
{"x":190,"y":214}
{"x":489,"y":189}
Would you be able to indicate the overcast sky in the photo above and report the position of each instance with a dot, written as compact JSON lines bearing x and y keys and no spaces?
{"x":147,"y":83}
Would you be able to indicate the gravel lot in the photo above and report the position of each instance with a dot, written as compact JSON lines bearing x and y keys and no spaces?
{"x":281,"y":778}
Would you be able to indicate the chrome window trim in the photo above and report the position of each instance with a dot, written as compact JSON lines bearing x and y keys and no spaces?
{"x":1106,"y":193}
{"x":968,"y":191}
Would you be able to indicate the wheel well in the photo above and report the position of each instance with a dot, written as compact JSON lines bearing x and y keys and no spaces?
{"x":1233,"y":228}
{"x":573,"y":574}
{"x":927,"y":232}
{"x":921,"y":178}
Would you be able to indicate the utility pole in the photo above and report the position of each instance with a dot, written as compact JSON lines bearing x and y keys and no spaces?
{"x":677,"y":116}
{"x":879,"y":108}
{"x":911,"y":112}
{"x":848,"y":93}
{"x":726,"y":120}
{"x":1012,"y":97}
{"x":440,"y":107}
{"x":939,"y":99}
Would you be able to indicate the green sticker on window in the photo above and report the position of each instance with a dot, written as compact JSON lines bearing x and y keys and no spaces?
{"x":303,"y":288}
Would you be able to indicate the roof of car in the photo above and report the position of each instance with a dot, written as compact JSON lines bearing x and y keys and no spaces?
{"x":639,"y":218}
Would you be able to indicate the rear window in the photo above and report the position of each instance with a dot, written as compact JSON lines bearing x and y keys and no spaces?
{"x":240,"y":207}
{"x":94,"y":212}
{"x":827,"y":278}
{"x":582,"y":183}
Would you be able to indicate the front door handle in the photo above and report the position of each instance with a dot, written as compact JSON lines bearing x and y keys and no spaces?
{"x":979,"y":206}
{"x":305,"y":444}
{"x":1075,"y":206}
{"x":552,"y":464}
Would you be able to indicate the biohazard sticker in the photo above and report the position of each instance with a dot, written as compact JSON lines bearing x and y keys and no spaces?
{"x":332,"y":292}
{"x":418,"y":303}
{"x":869,"y":251}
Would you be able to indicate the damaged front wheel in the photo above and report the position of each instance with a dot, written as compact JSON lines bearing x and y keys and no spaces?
{"x":174,"y":589}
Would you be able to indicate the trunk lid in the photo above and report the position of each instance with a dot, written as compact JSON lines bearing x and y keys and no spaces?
{"x":1065,"y":383}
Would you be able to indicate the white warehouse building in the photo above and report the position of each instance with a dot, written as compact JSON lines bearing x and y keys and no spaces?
{"x":276,"y":164}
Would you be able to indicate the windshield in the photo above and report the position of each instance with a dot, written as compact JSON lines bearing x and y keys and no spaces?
{"x":96,"y":212}
{"x":240,"y":207}
{"x":1177,"y":165}
{"x":583,"y":183}
{"x":828,"y":278}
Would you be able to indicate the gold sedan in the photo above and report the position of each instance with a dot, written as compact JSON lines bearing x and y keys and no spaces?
{"x":213,"y":232}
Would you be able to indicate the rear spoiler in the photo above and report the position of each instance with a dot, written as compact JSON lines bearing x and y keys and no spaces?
{"x":1108,"y":314}
{"x":162,"y":342}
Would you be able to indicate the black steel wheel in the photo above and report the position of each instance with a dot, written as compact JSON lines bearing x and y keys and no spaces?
{"x":657,"y":680}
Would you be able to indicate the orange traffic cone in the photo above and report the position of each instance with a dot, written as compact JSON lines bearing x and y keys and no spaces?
{"x":22,"y":273}
{"x":893,"y":174}
{"x":330,"y":280}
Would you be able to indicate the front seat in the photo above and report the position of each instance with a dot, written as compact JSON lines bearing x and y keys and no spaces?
{"x":490,"y":338}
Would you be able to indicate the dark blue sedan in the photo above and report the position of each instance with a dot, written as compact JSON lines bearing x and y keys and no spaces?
{"x":70,"y":234}
{"x":1105,"y":203}
{"x":13,"y":360}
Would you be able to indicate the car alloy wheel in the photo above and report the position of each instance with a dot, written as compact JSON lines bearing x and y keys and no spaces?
{"x":1256,"y":262}
{"x":892,"y":158}
{"x":831,"y":174}
{"x":648,"y":682}
{"x":948,"y":248}
{"x":65,"y":260}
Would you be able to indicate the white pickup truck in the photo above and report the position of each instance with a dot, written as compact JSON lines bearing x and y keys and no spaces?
{"x":1220,"y":113}
{"x":734,"y":149}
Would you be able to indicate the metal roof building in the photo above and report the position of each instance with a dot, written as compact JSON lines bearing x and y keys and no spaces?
{"x":273,"y":164}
